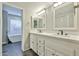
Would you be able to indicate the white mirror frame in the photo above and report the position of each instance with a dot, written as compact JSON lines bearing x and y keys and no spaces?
{"x":43,"y":20}
{"x":32,"y":19}
{"x":75,"y":18}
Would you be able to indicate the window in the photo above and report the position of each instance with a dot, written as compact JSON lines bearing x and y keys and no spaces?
{"x":14,"y":25}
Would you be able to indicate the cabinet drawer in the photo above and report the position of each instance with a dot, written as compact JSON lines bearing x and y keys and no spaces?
{"x":49,"y":52}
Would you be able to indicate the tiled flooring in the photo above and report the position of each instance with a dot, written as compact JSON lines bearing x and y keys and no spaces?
{"x":29,"y":53}
{"x":14,"y":49}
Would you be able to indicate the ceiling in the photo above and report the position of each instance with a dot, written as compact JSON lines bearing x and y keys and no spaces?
{"x":30,"y":7}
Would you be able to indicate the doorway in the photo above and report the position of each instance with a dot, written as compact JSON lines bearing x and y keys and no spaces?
{"x":12,"y":31}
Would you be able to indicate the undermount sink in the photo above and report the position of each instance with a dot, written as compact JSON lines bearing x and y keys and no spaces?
{"x":62,"y":35}
{"x":58,"y":36}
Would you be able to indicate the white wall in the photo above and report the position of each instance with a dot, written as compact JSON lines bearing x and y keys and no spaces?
{"x":0,"y":28}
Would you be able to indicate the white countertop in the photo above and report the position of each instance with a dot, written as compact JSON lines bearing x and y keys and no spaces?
{"x":70,"y":37}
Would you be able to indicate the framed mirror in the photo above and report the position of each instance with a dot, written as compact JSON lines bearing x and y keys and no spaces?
{"x":39,"y":22}
{"x":65,"y":17}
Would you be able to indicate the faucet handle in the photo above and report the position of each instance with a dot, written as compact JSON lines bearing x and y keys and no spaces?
{"x":61,"y":32}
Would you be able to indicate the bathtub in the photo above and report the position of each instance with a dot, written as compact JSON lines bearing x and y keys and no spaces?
{"x":15,"y":38}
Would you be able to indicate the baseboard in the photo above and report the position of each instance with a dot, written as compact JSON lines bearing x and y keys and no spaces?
{"x":26,"y":49}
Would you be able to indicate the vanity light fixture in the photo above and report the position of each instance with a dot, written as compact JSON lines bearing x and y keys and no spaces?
{"x":43,"y":11}
{"x":58,"y":3}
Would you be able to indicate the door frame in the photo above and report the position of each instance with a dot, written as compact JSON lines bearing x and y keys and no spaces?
{"x":11,"y":5}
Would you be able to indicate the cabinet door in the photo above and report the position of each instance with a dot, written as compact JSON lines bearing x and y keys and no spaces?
{"x":49,"y":52}
{"x":35,"y":45}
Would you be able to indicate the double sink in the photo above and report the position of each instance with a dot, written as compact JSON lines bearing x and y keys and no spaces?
{"x":71,"y":37}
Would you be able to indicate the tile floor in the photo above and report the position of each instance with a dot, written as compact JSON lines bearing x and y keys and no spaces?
{"x":29,"y":52}
{"x":14,"y":49}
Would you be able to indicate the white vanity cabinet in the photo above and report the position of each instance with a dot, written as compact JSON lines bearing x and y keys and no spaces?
{"x":45,"y":45}
{"x":37,"y":44}
{"x":33,"y":42}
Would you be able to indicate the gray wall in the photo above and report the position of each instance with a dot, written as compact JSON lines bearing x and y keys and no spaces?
{"x":4,"y":27}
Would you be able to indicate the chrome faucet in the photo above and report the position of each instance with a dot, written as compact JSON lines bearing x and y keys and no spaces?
{"x":61,"y":32}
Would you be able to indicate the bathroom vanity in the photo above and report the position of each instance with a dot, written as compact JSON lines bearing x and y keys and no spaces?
{"x":45,"y":44}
